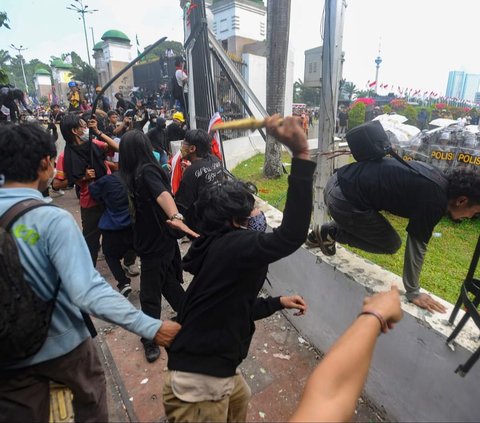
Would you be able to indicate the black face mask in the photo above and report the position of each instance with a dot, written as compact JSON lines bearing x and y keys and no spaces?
{"x":257,"y":223}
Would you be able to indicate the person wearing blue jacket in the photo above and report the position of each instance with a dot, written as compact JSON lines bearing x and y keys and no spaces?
{"x":115,"y":225}
{"x":52,"y":248}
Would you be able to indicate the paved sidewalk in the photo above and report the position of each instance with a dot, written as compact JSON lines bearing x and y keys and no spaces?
{"x":278,"y":365}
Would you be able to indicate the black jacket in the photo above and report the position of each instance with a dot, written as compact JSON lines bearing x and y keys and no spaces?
{"x":229,"y":270}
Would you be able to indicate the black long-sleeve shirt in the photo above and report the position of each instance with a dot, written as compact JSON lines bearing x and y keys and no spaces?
{"x":229,"y":270}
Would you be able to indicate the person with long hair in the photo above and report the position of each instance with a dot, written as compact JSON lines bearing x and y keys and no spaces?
{"x":156,"y":223}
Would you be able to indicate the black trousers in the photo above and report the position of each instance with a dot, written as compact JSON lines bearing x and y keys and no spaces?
{"x":117,"y":245}
{"x":90,"y":218}
{"x":160,"y":277}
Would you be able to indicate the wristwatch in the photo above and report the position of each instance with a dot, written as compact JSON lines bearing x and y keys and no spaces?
{"x":177,"y":216}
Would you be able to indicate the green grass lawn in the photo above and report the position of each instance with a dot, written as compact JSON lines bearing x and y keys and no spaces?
{"x":448,"y":257}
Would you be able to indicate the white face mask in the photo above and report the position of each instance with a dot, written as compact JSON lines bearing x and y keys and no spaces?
{"x":84,"y":136}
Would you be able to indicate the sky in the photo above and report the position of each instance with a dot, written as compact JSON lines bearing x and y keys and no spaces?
{"x":420,"y":41}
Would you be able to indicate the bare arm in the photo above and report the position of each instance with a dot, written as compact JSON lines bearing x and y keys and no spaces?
{"x":334,"y":386}
{"x":166,"y":202}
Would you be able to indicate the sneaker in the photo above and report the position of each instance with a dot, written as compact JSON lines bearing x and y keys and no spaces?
{"x":125,"y":290}
{"x":48,"y":199}
{"x":130,"y":270}
{"x":325,"y":236}
{"x":152,"y":350}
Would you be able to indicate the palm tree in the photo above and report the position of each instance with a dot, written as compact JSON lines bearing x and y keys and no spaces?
{"x":278,"y":23}
{"x":351,"y":89}
{"x":4,"y":57}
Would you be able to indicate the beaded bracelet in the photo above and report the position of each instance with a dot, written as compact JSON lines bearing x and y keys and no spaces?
{"x":380,"y":318}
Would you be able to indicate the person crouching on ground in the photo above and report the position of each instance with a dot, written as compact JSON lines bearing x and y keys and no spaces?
{"x":229,"y":264}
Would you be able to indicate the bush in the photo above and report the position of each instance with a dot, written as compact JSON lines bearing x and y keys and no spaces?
{"x":411,"y":114}
{"x":356,"y":115}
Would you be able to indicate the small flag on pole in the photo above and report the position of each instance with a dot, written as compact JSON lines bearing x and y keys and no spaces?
{"x":216,"y":147}
{"x":138,"y":45}
{"x":372,"y":84}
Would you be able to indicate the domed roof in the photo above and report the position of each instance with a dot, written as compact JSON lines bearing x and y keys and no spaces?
{"x":114,"y":34}
{"x":60,"y":64}
{"x":98,"y":46}
{"x":41,"y":71}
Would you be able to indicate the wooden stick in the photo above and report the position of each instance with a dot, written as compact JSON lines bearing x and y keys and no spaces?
{"x":248,"y":123}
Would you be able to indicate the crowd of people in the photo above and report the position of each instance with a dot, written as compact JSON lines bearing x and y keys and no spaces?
{"x":131,"y":205}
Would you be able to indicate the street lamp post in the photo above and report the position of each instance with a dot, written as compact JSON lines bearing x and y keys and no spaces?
{"x":80,"y":8}
{"x":19,"y":50}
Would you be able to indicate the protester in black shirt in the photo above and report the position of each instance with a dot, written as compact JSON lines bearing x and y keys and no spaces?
{"x":205,"y":170}
{"x":158,"y":136}
{"x":176,"y":130}
{"x":359,"y":191}
{"x":229,"y":264}
{"x":141,"y":117}
{"x":155,"y":216}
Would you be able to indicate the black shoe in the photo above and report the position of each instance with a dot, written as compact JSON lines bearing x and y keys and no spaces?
{"x":325,"y":236}
{"x":125,"y":290}
{"x":152,"y":350}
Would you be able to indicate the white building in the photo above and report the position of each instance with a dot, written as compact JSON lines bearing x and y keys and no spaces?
{"x":111,"y":55}
{"x":241,"y":25}
{"x":43,"y":83}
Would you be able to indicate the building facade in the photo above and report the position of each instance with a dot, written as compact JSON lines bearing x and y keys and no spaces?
{"x":43,"y":84}
{"x":241,"y":27}
{"x":462,"y":85}
{"x":61,"y":77}
{"x":111,"y":55}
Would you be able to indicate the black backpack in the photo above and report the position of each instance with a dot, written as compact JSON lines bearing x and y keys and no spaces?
{"x":369,"y":141}
{"x":24,"y":316}
{"x":177,"y":90}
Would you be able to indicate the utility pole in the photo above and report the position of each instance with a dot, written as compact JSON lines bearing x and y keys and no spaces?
{"x":19,"y":50}
{"x":81,"y":9}
{"x":331,"y":68}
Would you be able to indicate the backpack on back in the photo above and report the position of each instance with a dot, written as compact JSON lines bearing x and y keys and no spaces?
{"x":369,"y":141}
{"x":24,"y":316}
{"x":177,"y":90}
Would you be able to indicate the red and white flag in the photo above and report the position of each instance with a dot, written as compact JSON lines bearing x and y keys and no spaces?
{"x":372,"y":84}
{"x":177,"y":172}
{"x":216,"y":147}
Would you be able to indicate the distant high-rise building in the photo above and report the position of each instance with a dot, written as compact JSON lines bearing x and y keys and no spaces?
{"x":470,"y":86}
{"x":455,"y":84}
{"x":462,"y":85}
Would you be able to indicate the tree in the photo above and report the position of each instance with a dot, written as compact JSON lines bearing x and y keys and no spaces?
{"x":3,"y":20}
{"x":410,"y":113}
{"x":4,"y":58}
{"x":159,"y":51}
{"x":87,"y":74}
{"x":278,"y":23}
{"x":351,"y":89}
{"x":308,"y":95}
{"x":365,"y":93}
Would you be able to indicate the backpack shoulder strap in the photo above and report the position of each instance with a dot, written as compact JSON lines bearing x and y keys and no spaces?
{"x":8,"y":218}
{"x":424,"y":170}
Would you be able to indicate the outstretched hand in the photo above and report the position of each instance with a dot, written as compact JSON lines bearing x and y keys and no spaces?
{"x":428,"y":303}
{"x":181,"y":226}
{"x":289,"y":132}
{"x":294,"y":301}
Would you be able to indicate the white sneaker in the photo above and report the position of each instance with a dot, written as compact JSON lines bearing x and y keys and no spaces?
{"x":48,"y":199}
